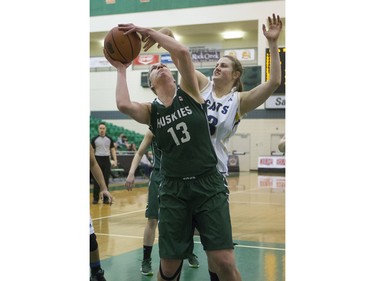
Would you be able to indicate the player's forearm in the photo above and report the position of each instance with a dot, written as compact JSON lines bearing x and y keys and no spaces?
{"x":135,"y":163}
{"x":275,"y":67}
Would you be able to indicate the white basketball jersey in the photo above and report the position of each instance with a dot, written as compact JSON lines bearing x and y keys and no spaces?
{"x":223,"y":117}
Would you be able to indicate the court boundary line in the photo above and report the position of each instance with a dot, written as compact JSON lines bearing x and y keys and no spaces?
{"x":117,"y":215}
{"x":195,"y":242}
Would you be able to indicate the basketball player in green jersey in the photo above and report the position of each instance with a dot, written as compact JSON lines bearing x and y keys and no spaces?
{"x":192,"y":193}
{"x":152,"y":209}
{"x":226,"y":100}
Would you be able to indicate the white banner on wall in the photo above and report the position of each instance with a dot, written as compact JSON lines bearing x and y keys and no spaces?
{"x":96,"y":62}
{"x":275,"y":102}
{"x":241,"y":54}
{"x":272,"y":162}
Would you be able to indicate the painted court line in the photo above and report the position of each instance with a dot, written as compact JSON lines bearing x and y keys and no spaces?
{"x":118,"y":215}
{"x":255,"y":203}
{"x":120,"y":235}
{"x":195,"y":242}
{"x":259,"y":247}
{"x":254,"y":247}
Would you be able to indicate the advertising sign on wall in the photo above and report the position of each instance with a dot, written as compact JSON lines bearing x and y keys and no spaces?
{"x":98,"y":62}
{"x":204,"y":55}
{"x":241,"y":54}
{"x":146,"y":59}
{"x":270,"y":163}
{"x":275,"y":102}
{"x":166,"y":58}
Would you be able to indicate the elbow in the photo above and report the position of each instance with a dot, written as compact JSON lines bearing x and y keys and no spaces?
{"x":183,"y":51}
{"x":123,"y":103}
{"x":122,"y":107}
{"x":277,"y":82}
{"x":274,"y":84}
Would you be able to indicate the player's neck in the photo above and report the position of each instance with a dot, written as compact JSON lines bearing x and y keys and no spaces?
{"x":221,"y":90}
{"x":167,"y":94}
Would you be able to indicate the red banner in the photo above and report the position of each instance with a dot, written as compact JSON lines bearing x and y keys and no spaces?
{"x":271,"y":162}
{"x":146,"y":59}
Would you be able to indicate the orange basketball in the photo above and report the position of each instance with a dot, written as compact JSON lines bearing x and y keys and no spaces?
{"x":120,"y":47}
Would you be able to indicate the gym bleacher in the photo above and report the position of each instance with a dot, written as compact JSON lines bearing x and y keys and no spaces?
{"x":113,"y":131}
{"x":124,"y":158}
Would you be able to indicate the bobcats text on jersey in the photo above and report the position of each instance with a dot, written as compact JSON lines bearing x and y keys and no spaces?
{"x":216,"y":106}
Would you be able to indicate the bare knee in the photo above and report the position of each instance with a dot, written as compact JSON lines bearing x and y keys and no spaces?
{"x":221,"y":258}
{"x":170,"y":270}
{"x":222,"y":262}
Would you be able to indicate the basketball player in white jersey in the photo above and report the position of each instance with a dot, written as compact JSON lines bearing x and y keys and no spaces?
{"x":224,"y":95}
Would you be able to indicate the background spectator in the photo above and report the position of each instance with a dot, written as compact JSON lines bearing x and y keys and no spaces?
{"x":104,"y":148}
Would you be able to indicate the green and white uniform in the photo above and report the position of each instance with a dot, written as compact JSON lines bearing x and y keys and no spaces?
{"x":192,"y":193}
{"x":181,"y":131}
{"x":152,"y":208}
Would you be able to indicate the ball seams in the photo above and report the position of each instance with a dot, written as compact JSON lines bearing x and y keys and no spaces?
{"x":118,"y":49}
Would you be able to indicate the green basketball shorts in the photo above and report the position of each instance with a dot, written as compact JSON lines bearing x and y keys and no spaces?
{"x":200,"y":203}
{"x":152,"y":208}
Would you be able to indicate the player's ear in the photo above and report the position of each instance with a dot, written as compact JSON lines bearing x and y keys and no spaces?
{"x":236,"y":74}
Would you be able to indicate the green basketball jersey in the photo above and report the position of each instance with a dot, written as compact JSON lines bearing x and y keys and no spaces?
{"x":157,"y":154}
{"x":182,"y":134}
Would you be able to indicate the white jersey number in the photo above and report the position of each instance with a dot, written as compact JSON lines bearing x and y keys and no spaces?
{"x":180,"y":126}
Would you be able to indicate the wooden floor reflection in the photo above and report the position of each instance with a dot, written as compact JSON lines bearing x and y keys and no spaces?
{"x":257,"y":205}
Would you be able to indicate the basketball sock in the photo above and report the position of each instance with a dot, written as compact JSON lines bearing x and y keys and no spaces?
{"x":213,"y":276}
{"x":95,"y":267}
{"x":147,"y":252}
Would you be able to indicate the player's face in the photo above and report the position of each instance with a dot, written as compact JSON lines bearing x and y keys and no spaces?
{"x":157,"y":70}
{"x":157,"y":66}
{"x":223,"y":69}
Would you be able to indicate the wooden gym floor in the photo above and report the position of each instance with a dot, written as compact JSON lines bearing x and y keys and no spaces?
{"x":257,"y":204}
